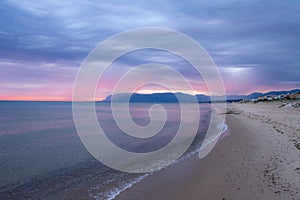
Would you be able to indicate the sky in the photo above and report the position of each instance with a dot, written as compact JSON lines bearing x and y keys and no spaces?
{"x":255,"y":44}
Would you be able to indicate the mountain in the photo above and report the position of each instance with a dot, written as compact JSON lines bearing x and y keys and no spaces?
{"x":283,"y":92}
{"x":235,"y":97}
{"x":202,"y":98}
{"x":150,"y":98}
{"x":256,"y":94}
{"x":172,"y":97}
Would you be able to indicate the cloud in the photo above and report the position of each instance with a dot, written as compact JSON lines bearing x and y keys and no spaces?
{"x":256,"y":34}
{"x":38,"y":80}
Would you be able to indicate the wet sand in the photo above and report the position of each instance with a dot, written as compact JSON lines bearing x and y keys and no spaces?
{"x":260,"y":159}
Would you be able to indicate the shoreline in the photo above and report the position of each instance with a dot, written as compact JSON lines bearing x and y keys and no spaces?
{"x":258,"y":160}
{"x":258,"y":157}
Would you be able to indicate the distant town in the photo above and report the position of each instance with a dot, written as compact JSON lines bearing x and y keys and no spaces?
{"x":284,"y":100}
{"x":294,"y":96}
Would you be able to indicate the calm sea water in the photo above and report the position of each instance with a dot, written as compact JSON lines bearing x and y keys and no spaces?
{"x":41,"y":153}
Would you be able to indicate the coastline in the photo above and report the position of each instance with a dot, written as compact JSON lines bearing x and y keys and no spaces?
{"x":260,"y":159}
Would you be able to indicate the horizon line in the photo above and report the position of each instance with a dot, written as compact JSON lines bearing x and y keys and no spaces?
{"x":101,"y":100}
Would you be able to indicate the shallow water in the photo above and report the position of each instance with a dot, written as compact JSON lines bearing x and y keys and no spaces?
{"x":39,"y":144}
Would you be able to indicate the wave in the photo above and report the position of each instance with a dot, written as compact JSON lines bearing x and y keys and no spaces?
{"x":116,"y":191}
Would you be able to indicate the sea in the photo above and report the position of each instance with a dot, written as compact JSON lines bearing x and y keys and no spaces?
{"x":42,"y":156}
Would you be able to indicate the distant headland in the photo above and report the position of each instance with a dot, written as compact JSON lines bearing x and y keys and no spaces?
{"x":169,"y":97}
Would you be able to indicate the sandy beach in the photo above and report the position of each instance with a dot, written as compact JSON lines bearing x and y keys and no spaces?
{"x":257,"y":158}
{"x":260,"y":159}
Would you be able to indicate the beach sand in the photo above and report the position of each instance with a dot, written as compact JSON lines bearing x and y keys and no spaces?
{"x":260,"y":159}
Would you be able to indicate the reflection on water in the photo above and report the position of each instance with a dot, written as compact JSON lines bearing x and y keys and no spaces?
{"x":38,"y":138}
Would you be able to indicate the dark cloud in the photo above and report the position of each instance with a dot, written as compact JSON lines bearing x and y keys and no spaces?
{"x":262,"y":36}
